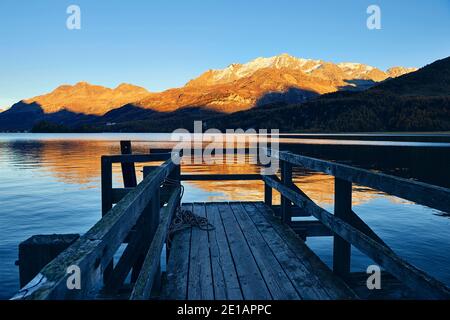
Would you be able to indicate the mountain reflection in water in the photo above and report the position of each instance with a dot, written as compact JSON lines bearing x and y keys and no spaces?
{"x":51,"y":184}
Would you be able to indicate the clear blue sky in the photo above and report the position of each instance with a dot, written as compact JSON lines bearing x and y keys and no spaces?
{"x":160,"y":44}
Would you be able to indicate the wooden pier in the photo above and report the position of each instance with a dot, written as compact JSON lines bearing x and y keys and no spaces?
{"x":253,"y":250}
{"x":249,"y":255}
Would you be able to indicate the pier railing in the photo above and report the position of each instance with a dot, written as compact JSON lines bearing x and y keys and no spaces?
{"x":348,"y":229}
{"x":140,"y":217}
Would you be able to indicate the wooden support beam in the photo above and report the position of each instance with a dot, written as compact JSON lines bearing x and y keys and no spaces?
{"x":138,"y":158}
{"x":152,"y":222}
{"x":130,"y":256}
{"x":342,"y":210}
{"x":295,"y":211}
{"x":175,"y":177}
{"x":150,"y":270}
{"x":354,"y":220}
{"x":128,"y":169}
{"x":160,"y":150}
{"x":129,"y":181}
{"x":359,"y":224}
{"x":425,"y":285}
{"x":106,"y":181}
{"x":286,"y":179}
{"x":267,"y":195}
{"x":221,"y":177}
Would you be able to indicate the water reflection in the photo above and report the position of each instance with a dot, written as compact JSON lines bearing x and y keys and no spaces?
{"x":52,"y":185}
{"x":78,"y":162}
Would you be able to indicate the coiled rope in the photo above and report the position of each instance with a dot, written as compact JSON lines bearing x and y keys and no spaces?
{"x":186,"y":219}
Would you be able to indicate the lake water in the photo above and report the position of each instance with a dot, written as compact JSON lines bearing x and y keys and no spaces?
{"x":51,"y":184}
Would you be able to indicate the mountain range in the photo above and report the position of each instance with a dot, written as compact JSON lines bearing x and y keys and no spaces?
{"x":417,"y":101}
{"x":240,"y":91}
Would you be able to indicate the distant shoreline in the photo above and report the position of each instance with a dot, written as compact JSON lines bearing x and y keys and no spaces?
{"x":436,"y":137}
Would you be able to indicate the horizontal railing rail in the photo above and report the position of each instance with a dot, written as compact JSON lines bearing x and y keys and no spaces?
{"x":218,"y":177}
{"x":348,"y":229}
{"x":422,"y":193}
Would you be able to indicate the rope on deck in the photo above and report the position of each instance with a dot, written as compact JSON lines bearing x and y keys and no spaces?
{"x":185,"y":219}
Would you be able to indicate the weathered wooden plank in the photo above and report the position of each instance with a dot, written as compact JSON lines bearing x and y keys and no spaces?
{"x":342,"y":210}
{"x":146,"y":279}
{"x":220,"y":177}
{"x":304,"y":280}
{"x":335,"y":287}
{"x":95,"y":249}
{"x":402,"y":270}
{"x":226,"y":283}
{"x":274,"y":275}
{"x":200,"y":286}
{"x":250,"y":278}
{"x":176,"y":286}
{"x":419,"y":192}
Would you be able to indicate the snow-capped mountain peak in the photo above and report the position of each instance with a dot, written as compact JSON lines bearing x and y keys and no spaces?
{"x":314,"y":68}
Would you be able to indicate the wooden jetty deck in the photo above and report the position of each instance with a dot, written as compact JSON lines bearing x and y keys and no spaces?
{"x":256,"y":250}
{"x":249,"y":255}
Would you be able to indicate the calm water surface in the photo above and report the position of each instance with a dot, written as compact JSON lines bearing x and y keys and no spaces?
{"x":51,"y":184}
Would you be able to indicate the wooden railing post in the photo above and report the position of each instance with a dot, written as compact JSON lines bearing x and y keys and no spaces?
{"x":177,"y":178}
{"x":107,"y":203}
{"x":286,"y":179}
{"x":106,"y":181}
{"x":128,"y":169}
{"x":267,"y":195}
{"x":342,"y":210}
